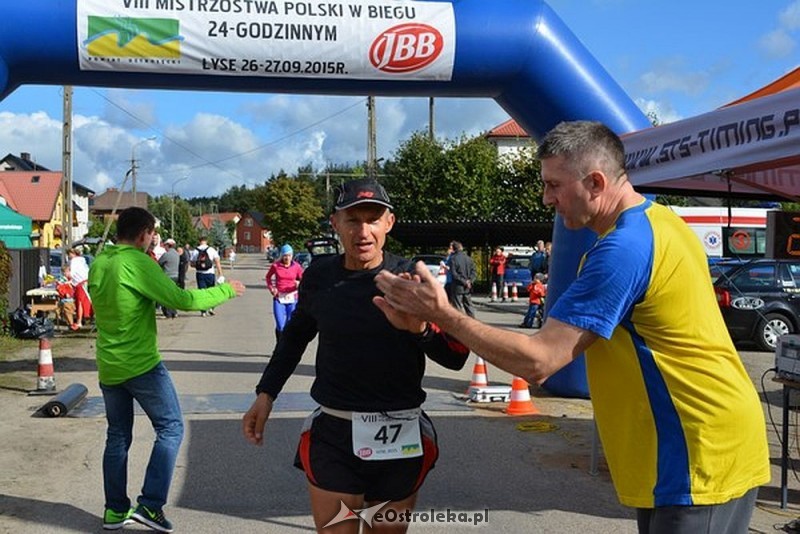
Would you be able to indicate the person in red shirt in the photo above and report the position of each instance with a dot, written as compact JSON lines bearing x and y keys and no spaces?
{"x":536,"y":293}
{"x":283,"y":279}
{"x":497,"y":263}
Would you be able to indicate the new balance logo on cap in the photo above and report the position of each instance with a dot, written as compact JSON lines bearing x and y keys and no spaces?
{"x":361,"y":191}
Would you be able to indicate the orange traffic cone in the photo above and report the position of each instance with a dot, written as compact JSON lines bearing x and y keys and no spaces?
{"x":521,"y":403}
{"x":505,"y":292}
{"x":493,"y":298}
{"x":514,"y":293}
{"x":46,"y":383}
{"x":479,"y":377}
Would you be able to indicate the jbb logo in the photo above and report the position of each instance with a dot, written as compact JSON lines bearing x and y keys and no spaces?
{"x":406,"y":48}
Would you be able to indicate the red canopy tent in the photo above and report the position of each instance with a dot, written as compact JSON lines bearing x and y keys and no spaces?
{"x":748,"y":148}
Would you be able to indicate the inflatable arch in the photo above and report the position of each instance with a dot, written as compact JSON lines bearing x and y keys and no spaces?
{"x":517,"y":52}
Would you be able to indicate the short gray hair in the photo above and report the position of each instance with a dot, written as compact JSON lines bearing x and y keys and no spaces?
{"x":585,"y":145}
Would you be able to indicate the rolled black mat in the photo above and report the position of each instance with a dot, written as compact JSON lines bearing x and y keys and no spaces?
{"x":62,"y":403}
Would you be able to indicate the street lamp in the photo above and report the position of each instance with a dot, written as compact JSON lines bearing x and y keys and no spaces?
{"x":133,"y":164}
{"x":172,"y":210}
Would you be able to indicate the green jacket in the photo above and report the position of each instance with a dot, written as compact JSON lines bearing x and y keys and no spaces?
{"x":125,"y":284}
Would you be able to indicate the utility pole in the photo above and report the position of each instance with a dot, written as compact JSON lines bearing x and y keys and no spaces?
{"x":134,"y":166}
{"x":431,"y":135}
{"x":66,"y":171}
{"x":133,"y":177}
{"x":328,"y":191}
{"x":371,"y":138}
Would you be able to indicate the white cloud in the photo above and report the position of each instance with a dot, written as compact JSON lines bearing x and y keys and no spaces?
{"x":669,"y":76}
{"x":269,"y":134}
{"x":662,"y":110}
{"x":126,"y":109}
{"x":35,"y":133}
{"x":777,"y":44}
{"x":789,"y":18}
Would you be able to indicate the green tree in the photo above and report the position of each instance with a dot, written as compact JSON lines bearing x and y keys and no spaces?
{"x":97,"y":226}
{"x":469,"y":179}
{"x":292,"y":210}
{"x":184,"y":231}
{"x":412,"y":178}
{"x":218,"y":236}
{"x":239,"y":199}
{"x":519,"y":188}
{"x":434,"y":180}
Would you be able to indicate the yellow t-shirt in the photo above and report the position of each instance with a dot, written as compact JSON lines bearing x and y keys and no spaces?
{"x":679,"y":418}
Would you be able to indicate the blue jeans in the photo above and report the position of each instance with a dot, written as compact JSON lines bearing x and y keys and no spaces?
{"x":205,"y":280}
{"x":530,"y":317}
{"x":156,"y":394}
{"x":282,"y":312}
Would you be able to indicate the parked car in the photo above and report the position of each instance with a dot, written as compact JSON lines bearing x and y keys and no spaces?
{"x":435,"y":264}
{"x":518,"y":271}
{"x":760,"y":300}
{"x":57,"y":260}
{"x":322,"y":246}
{"x":303,"y":258}
{"x":720,"y":266}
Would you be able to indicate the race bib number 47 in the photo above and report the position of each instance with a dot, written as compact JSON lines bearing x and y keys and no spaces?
{"x":387,"y":435}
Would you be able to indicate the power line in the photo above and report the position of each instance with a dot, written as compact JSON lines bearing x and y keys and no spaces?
{"x":235,"y":156}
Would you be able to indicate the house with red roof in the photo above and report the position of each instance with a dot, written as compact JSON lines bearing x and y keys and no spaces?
{"x":81,"y":195}
{"x":510,"y":138}
{"x":204,"y":222}
{"x":37,"y":195}
{"x":251,"y":234}
{"x":112,"y":201}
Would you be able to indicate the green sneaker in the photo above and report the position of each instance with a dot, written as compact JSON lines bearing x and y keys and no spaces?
{"x":116,"y":520}
{"x":152,"y":518}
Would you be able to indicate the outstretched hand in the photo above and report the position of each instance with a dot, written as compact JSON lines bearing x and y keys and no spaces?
{"x":399,"y":319}
{"x":237,"y":286}
{"x":411,"y":300}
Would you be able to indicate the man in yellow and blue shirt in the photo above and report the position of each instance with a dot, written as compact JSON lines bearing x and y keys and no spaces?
{"x":680,"y":421}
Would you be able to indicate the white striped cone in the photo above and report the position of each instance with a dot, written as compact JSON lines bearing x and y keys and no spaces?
{"x":47,"y":377}
{"x":480,"y":378}
{"x":514,"y":293}
{"x":494,"y":292}
{"x":505,"y":291}
{"x":521,"y":403}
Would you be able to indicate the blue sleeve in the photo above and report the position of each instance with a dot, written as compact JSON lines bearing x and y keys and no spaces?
{"x":614,"y":277}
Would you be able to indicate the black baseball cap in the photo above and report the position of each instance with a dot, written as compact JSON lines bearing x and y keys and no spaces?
{"x":361,"y":191}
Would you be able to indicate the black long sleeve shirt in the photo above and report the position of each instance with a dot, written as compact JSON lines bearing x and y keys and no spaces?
{"x":363,"y":363}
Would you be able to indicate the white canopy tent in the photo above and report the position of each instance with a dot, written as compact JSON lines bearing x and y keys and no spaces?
{"x":749,"y":148}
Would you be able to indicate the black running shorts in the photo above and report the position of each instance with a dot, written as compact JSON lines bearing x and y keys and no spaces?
{"x":325,"y":453}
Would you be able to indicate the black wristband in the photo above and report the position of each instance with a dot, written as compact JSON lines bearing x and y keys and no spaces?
{"x":425,"y":335}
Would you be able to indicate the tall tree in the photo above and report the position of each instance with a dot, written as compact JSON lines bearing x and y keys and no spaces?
{"x":238,"y":198}
{"x":412,"y":178}
{"x":292,"y":210}
{"x":434,"y":180}
{"x":519,"y":188}
{"x":218,"y":236}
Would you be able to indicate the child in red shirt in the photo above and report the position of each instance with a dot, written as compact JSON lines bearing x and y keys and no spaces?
{"x":536,"y":292}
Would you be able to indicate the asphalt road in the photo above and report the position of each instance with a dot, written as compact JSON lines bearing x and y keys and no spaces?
{"x":533,"y":477}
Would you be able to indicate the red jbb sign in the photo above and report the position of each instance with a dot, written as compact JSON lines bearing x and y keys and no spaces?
{"x":406,"y":48}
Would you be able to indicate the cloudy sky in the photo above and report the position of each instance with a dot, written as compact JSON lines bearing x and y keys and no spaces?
{"x":677,"y":58}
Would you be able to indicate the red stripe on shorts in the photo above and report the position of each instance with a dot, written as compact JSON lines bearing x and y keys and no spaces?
{"x":304,"y":450}
{"x":430,"y":452}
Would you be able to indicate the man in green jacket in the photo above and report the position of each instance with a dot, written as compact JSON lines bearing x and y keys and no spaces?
{"x":126,"y":285}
